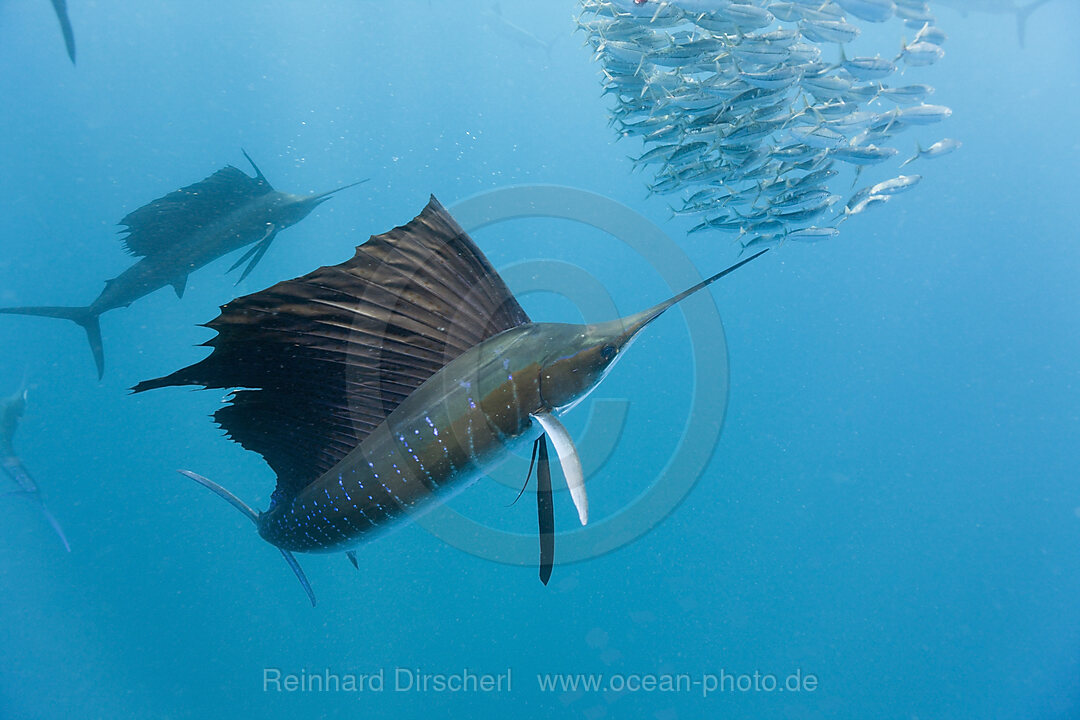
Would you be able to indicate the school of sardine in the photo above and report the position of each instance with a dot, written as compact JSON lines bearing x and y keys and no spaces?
{"x":749,"y":109}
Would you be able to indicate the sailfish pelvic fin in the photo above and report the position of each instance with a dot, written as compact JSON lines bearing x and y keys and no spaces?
{"x":545,"y":511}
{"x":256,"y":252}
{"x":568,"y":458}
{"x":545,"y":508}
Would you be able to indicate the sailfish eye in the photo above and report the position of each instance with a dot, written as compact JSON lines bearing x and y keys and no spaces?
{"x":608,"y":352}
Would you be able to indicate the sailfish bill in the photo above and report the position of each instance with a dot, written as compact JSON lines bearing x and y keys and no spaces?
{"x":375,"y":386}
{"x":181,"y":232}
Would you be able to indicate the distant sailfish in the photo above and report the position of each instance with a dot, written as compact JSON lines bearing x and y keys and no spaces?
{"x":185,"y":230}
{"x":520,"y":34}
{"x":11,"y":411}
{"x":374,"y":386}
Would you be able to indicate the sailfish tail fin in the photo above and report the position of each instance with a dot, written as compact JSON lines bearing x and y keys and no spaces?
{"x":1022,"y":15}
{"x":253,"y":516}
{"x":81,"y":315}
{"x":60,"y":6}
{"x":56,"y":526}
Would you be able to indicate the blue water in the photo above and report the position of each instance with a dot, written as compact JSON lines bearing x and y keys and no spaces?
{"x":893,"y":506}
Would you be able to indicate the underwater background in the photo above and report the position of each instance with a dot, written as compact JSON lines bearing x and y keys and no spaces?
{"x":893,"y":506}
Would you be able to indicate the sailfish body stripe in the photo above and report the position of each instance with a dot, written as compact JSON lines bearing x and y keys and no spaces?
{"x":443,"y":435}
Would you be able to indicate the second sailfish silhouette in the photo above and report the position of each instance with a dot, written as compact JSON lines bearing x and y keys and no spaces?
{"x":181,"y":232}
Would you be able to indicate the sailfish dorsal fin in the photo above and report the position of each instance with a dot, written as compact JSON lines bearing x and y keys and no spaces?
{"x":324,"y":358}
{"x":162,"y":223}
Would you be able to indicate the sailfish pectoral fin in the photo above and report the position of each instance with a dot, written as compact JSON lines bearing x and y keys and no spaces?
{"x":254,"y":518}
{"x":545,"y":511}
{"x":568,"y":458}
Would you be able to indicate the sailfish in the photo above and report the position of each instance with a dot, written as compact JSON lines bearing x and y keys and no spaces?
{"x":1021,"y":10}
{"x":11,"y":411}
{"x":375,"y":386}
{"x":181,"y":232}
